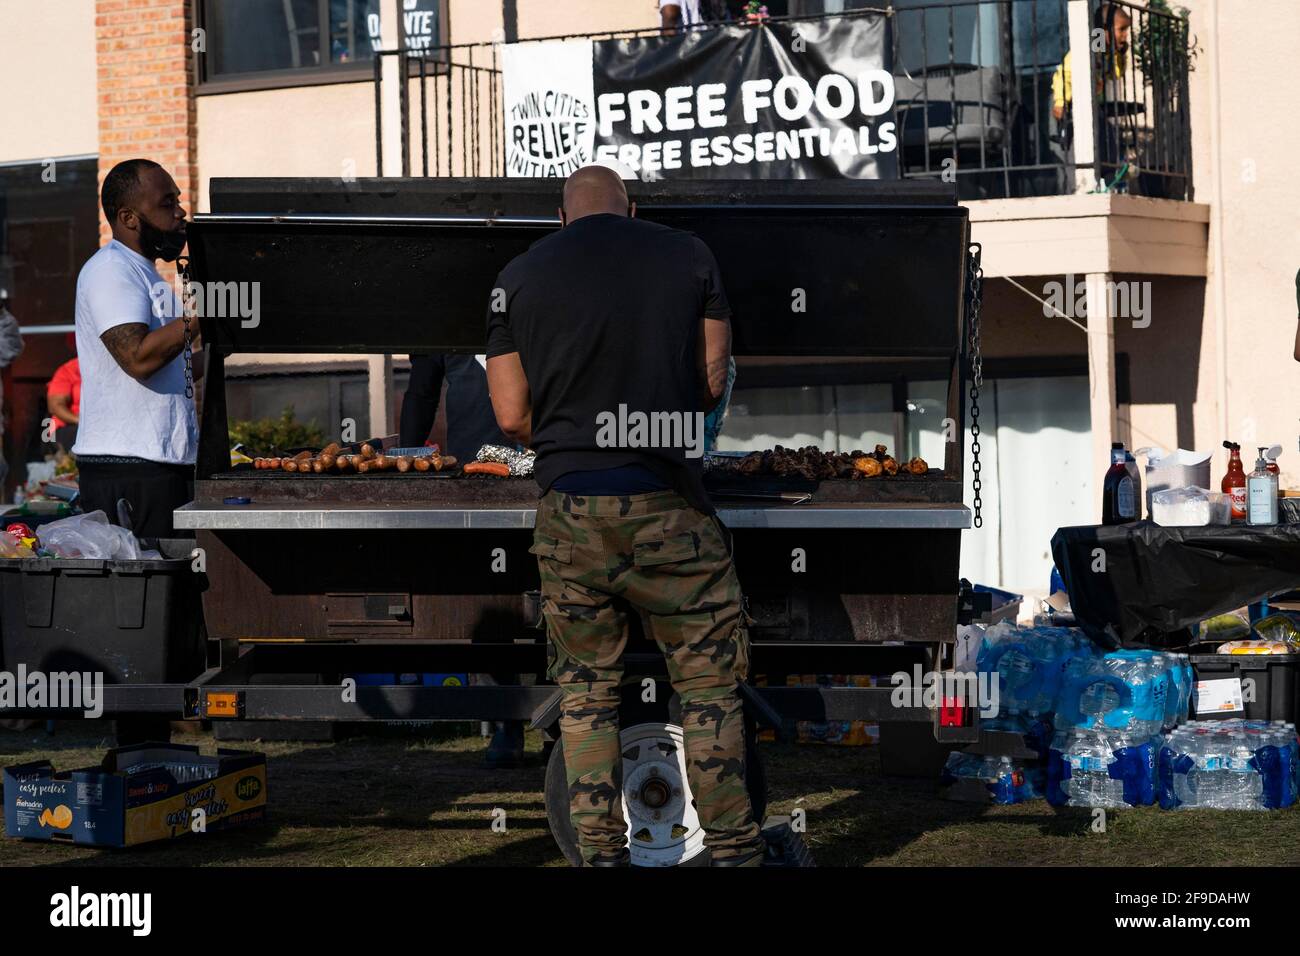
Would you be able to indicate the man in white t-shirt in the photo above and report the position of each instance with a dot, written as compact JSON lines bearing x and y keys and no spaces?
{"x":138,"y":435}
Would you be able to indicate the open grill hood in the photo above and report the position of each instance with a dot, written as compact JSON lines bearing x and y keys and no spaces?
{"x":409,"y":265}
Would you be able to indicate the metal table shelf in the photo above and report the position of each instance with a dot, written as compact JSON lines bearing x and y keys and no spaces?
{"x":351,"y":516}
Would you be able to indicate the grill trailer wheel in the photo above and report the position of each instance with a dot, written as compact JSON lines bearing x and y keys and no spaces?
{"x":663,"y":828}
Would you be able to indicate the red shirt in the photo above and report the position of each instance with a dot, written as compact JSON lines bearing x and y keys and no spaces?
{"x":66,"y":381}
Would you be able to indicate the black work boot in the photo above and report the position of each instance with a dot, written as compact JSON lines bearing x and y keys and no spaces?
{"x":753,"y":858}
{"x":506,"y":749}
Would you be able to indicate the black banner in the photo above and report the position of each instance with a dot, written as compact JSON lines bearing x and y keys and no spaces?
{"x":787,"y":100}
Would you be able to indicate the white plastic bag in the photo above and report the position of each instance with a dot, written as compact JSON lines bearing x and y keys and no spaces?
{"x":89,"y":536}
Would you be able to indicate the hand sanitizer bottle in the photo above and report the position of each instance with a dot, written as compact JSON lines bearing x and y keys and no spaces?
{"x":1261,"y":494}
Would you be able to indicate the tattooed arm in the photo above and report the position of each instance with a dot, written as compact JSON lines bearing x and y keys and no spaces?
{"x":713,"y":356}
{"x":141,"y":353}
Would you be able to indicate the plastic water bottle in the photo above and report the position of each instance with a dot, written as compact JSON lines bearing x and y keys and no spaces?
{"x":1189,"y":685}
{"x":1170,"y":674}
{"x":1186,"y":785}
{"x":1203,"y":780}
{"x":1217,"y":763}
{"x":1089,"y":755}
{"x":1016,"y":670}
{"x":1247,"y":784}
{"x":1097,"y":700}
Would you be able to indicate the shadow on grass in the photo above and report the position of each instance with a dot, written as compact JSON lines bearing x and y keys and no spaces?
{"x":372,"y":799}
{"x":879,"y":816}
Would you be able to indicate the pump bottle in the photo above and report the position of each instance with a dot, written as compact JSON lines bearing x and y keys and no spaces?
{"x":1261,"y":494}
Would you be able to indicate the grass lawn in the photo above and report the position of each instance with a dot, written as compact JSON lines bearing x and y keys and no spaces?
{"x":429,"y":801}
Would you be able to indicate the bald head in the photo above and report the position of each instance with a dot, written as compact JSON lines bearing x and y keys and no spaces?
{"x":593,"y":190}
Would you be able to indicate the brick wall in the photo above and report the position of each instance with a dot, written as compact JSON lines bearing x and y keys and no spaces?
{"x":146,"y":89}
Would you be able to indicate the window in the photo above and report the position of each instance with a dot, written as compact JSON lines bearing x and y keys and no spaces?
{"x":260,"y":43}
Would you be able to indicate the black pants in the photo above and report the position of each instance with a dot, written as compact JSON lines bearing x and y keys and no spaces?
{"x":154,"y":491}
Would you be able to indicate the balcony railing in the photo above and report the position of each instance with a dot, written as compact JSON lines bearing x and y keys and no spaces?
{"x":984,"y":98}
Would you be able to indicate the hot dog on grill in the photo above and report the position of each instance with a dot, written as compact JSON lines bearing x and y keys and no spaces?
{"x":488,"y":468}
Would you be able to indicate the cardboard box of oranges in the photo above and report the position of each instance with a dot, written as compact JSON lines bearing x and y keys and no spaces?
{"x":138,"y":794}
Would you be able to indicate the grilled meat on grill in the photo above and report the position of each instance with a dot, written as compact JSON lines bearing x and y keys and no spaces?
{"x":814,"y":464}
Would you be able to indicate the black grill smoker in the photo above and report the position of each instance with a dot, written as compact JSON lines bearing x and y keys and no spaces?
{"x":332,"y":575}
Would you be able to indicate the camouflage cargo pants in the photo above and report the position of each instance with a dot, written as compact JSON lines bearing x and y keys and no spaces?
{"x":670,"y":563}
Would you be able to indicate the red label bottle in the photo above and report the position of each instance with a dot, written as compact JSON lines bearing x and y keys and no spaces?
{"x":1234,"y":482}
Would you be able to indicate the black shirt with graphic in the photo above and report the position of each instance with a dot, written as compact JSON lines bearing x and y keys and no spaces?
{"x":605,"y":316}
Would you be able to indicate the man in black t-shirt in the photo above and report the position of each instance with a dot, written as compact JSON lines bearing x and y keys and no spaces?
{"x":608,"y":343}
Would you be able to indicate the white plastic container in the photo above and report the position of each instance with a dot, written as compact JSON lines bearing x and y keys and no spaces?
{"x":1179,"y":469}
{"x":1190,"y":508}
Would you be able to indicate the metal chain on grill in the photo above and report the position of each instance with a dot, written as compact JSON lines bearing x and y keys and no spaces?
{"x":187,"y":314}
{"x":974,"y":303}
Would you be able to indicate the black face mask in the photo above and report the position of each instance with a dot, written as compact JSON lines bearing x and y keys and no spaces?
{"x":158,"y":244}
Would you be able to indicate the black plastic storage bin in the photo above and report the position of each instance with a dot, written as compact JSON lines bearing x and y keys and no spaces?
{"x":1275,"y":679}
{"x":137,"y":622}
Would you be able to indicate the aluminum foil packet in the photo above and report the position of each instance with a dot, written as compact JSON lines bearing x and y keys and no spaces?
{"x":519,"y":462}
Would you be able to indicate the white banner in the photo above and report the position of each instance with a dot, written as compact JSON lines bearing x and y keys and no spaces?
{"x":550,"y":114}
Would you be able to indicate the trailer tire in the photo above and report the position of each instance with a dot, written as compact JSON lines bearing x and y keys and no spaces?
{"x":646,"y":723}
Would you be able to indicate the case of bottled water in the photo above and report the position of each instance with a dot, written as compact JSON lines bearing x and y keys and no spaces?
{"x":1096,"y":717}
{"x":1057,"y":673}
{"x":1101,"y":768}
{"x":1229,"y":765}
{"x":1137,"y":692}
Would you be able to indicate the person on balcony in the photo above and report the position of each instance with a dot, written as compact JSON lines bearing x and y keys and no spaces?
{"x":676,"y":15}
{"x":1117,"y":23}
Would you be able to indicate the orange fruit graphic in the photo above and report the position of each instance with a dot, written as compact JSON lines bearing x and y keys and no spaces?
{"x":60,"y":817}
